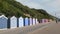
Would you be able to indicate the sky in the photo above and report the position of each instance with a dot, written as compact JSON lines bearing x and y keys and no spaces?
{"x":51,"y":6}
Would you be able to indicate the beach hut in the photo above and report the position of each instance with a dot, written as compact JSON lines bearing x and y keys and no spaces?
{"x":3,"y":22}
{"x":43,"y":20}
{"x":34,"y":21}
{"x":26,"y":21}
{"x":13,"y":22}
{"x":30,"y":21}
{"x":21,"y":22}
{"x":46,"y":20}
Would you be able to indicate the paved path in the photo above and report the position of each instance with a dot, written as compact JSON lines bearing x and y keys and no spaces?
{"x":55,"y":29}
{"x":25,"y":30}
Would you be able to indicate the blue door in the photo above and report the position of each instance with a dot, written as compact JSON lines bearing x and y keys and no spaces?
{"x":26,"y":22}
{"x":3,"y":22}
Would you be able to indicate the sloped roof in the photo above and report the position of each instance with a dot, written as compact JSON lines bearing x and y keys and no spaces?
{"x":3,"y":16}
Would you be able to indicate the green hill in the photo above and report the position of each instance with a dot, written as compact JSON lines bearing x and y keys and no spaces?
{"x":14,"y":8}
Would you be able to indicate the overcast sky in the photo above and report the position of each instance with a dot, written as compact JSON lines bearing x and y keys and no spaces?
{"x":51,"y":6}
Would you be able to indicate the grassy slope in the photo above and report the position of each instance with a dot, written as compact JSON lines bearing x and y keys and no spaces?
{"x":12,"y":7}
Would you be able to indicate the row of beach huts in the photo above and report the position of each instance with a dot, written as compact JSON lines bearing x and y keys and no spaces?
{"x":14,"y":22}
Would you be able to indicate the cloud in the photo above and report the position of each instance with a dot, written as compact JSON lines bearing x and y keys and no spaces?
{"x":51,"y":6}
{"x":54,"y":4}
{"x":34,"y":5}
{"x":31,"y":4}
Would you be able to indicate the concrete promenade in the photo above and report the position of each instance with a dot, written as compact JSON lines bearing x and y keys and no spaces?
{"x":53,"y":29}
{"x":29,"y":29}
